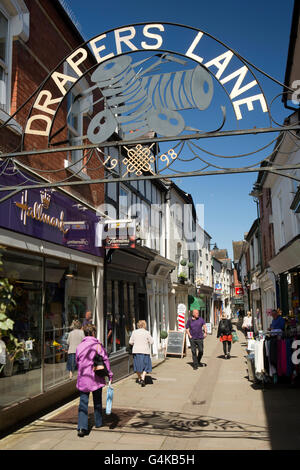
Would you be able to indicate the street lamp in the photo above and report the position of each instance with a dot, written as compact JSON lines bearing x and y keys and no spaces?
{"x":214,"y":247}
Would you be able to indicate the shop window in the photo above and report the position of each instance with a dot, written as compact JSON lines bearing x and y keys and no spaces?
{"x":124,"y":203}
{"x":4,"y":62}
{"x":75,"y":128}
{"x":120,"y":314}
{"x":69,"y":294}
{"x":109,"y":318}
{"x":21,"y":277}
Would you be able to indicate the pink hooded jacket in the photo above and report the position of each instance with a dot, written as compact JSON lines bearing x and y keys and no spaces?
{"x":87,"y":380}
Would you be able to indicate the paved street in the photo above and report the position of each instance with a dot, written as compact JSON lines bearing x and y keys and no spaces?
{"x":214,"y":407}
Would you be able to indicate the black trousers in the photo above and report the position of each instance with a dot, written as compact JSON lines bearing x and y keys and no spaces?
{"x":226,"y":347}
{"x":196,"y":344}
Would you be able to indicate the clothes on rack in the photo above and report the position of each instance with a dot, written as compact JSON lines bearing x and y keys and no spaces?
{"x":273,"y":357}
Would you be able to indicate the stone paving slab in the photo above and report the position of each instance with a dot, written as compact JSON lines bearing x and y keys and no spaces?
{"x":212,"y":408}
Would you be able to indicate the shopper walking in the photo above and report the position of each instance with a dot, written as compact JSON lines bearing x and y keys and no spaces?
{"x":141,"y":341}
{"x":87,"y":319}
{"x":87,"y":380}
{"x":74,"y":339}
{"x":197,"y":331}
{"x":225,"y":334}
{"x":247,"y":323}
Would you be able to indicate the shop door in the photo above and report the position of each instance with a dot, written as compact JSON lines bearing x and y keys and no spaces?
{"x":142,"y":307}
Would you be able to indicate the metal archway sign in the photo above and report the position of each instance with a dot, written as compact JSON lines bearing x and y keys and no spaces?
{"x":140,"y":87}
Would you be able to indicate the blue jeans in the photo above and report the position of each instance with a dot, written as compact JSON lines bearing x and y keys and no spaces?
{"x":83,"y":409}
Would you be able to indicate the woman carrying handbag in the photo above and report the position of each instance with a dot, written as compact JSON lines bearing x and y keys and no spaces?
{"x":89,"y":379}
{"x":225,"y":334}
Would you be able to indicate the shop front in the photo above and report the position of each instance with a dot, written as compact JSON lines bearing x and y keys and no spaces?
{"x":158,"y":282}
{"x":125,"y":303}
{"x":204,"y":296}
{"x":286,"y":267}
{"x":54,"y":273}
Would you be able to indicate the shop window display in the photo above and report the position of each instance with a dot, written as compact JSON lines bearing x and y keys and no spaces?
{"x":21,"y":376}
{"x":68,"y":295}
{"x":68,"y":291}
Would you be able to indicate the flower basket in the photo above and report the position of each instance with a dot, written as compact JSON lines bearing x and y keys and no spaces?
{"x":163,"y":335}
{"x":183,"y":262}
{"x":182,"y":278}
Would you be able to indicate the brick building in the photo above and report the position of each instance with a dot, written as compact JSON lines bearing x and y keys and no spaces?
{"x":47,"y":236}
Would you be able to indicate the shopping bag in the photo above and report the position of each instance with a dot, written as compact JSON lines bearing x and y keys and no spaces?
{"x":235,"y":337}
{"x":109,"y":399}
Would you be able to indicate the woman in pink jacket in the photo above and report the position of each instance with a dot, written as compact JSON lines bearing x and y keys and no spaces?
{"x":87,"y":380}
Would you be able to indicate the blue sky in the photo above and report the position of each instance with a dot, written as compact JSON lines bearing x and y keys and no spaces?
{"x":257,"y":30}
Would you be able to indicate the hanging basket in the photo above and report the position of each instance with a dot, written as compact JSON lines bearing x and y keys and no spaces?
{"x":163,"y":335}
{"x":183,"y":262}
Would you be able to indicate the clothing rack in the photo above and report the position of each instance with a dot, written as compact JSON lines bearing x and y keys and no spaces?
{"x":272,"y":356}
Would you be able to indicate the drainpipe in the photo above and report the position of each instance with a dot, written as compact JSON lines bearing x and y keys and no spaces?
{"x":167,"y":221}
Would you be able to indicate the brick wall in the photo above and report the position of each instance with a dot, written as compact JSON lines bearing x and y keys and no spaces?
{"x":52,"y":38}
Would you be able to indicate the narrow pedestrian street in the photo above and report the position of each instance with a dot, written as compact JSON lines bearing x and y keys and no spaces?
{"x":213,"y":408}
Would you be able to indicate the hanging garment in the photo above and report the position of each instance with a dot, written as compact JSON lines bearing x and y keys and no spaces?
{"x":273,"y":351}
{"x":272,"y":369}
{"x":281,"y":357}
{"x":259,"y":357}
{"x":289,"y":352}
{"x":266,"y":359}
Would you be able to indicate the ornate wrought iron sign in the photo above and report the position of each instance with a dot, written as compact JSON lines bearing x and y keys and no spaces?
{"x":140,"y":86}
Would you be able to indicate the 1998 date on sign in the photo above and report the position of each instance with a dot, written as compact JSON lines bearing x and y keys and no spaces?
{"x":152,"y":459}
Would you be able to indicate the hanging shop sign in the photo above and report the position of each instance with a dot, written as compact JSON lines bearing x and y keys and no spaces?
{"x":239,"y":291}
{"x":218,"y":287}
{"x":116,"y":234}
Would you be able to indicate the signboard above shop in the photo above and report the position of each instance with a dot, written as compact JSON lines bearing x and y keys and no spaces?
{"x":51,"y":216}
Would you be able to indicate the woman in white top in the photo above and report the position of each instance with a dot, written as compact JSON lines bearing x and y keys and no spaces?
{"x":141,"y":341}
{"x":74,"y":339}
{"x":247,"y":323}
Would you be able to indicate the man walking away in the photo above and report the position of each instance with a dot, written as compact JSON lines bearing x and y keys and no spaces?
{"x":197,"y":331}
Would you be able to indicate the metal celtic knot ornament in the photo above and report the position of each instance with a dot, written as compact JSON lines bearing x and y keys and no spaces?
{"x":139,"y":159}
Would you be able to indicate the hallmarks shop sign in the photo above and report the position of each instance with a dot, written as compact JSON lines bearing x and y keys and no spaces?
{"x":213,"y":60}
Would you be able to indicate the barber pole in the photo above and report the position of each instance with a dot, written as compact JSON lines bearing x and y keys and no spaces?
{"x":181,"y":309}
{"x":181,"y":322}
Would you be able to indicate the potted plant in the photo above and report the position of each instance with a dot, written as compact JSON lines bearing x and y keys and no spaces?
{"x":191,"y":264}
{"x":182,"y":277}
{"x":183,"y":262}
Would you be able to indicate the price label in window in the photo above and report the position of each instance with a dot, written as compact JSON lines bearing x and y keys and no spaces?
{"x":29,"y":345}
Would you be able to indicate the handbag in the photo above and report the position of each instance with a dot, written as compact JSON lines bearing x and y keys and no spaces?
{"x":109,"y":399}
{"x":235,"y":337}
{"x":100,"y":368}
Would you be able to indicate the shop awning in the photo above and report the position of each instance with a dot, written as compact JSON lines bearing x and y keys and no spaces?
{"x":287,"y":259}
{"x":196,"y":303}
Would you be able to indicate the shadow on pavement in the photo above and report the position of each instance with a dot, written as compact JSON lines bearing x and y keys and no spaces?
{"x":179,"y":425}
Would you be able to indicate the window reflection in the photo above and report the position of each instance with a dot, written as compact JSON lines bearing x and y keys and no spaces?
{"x":120,"y":314}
